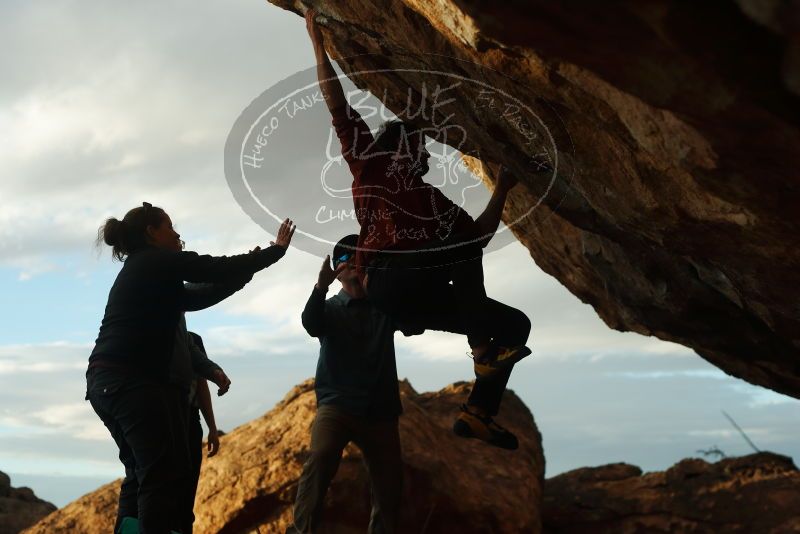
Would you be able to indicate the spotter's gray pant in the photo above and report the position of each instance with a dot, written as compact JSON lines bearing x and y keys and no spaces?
{"x":379,"y":442}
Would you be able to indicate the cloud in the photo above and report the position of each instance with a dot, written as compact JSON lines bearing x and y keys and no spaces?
{"x":656,"y":375}
{"x":125,"y":119}
{"x":50,"y":357}
{"x":266,"y":341}
{"x":279,"y":293}
{"x":8,"y":367}
{"x":762,"y":397}
{"x":73,"y":419}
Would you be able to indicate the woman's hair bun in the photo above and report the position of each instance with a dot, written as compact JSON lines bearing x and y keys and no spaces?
{"x":113,"y":232}
{"x":129,"y":234}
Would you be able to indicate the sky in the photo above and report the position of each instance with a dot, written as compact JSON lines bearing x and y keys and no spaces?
{"x":105,"y":105}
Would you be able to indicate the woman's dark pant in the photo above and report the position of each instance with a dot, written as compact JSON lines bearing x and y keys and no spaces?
{"x":416,"y":290}
{"x":196,"y":459}
{"x":379,"y":442}
{"x":148,"y":424}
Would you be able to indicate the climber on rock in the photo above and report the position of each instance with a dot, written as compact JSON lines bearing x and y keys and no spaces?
{"x":419,"y":255}
{"x":358,"y":398}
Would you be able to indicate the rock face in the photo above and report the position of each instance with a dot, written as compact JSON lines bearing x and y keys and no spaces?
{"x":756,"y":493}
{"x":456,"y":485}
{"x":94,"y":513}
{"x":669,"y":195}
{"x":19,"y":507}
{"x":451,"y":484}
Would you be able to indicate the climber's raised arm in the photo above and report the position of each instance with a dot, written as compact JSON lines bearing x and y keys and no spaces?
{"x":328,"y":80}
{"x":489,"y":220}
{"x":352,"y":131}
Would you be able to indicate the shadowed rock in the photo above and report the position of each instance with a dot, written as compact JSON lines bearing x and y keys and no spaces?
{"x":19,"y":507}
{"x":673,"y":130}
{"x":756,"y":493}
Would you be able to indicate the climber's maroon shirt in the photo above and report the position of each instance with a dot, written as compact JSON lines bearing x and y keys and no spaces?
{"x":397,"y":210}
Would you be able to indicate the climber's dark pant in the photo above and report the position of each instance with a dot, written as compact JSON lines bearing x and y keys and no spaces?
{"x":195,"y":430}
{"x":379,"y":442}
{"x":423,"y":298}
{"x":416,"y":289}
{"x":148,"y":424}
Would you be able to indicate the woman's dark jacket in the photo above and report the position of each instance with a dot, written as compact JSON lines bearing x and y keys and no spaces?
{"x":149,"y":295}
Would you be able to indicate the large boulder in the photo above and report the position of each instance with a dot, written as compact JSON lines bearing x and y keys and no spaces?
{"x":19,"y":507}
{"x":756,"y":493}
{"x":670,"y":191}
{"x":451,"y":484}
{"x":94,"y":513}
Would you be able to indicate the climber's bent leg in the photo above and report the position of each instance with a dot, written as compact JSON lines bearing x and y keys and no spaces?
{"x":416,"y":289}
{"x":510,"y":328}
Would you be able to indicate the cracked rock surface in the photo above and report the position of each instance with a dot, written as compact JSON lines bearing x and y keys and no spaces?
{"x":671,"y":130}
{"x":755,"y":493}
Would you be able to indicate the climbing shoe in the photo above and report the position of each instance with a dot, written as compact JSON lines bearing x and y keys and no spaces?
{"x":499,"y":358}
{"x":471,"y":425}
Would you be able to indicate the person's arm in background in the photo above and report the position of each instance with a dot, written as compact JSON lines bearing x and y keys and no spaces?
{"x":207,"y":409}
{"x":204,"y":367}
{"x":201,"y":296}
{"x":314,"y":316}
{"x":488,"y":221}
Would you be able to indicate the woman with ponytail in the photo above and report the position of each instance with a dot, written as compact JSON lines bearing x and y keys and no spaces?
{"x":137,"y":378}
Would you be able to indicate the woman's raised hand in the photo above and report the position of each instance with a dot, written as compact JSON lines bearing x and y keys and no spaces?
{"x":285,"y":233}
